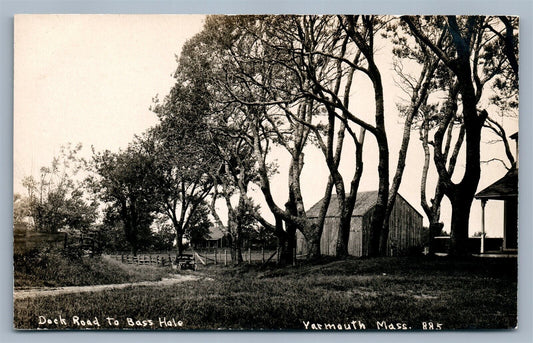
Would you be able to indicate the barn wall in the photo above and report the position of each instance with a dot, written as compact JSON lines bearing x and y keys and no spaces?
{"x":355,"y":243}
{"x":328,"y":241}
{"x":405,"y":228}
{"x":366,"y":232}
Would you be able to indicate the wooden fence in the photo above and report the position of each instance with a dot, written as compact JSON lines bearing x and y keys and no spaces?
{"x":146,"y":259}
{"x":223,"y":256}
{"x":219,"y":257}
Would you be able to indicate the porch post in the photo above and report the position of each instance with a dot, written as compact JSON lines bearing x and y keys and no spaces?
{"x":483,"y":202}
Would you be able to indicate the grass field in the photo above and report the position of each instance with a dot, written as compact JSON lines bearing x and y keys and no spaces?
{"x":382,"y":293}
{"x":38,"y":268}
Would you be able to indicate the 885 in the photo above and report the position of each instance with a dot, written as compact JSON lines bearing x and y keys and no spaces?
{"x":431,"y":326}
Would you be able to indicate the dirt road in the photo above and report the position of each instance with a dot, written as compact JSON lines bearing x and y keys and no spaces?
{"x":46,"y":291}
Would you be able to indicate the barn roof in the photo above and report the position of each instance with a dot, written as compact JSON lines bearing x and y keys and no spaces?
{"x":215,"y":233}
{"x":506,"y":187}
{"x":365,"y":201}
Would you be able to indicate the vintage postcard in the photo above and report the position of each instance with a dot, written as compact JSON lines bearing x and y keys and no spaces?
{"x":265,"y":172}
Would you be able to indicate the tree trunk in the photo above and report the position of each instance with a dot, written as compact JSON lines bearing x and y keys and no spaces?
{"x":459,"y":224}
{"x":462,"y":195}
{"x":379,"y":232}
{"x":313,"y":245}
{"x":235,"y":249}
{"x":236,"y":254}
{"x":283,"y":250}
{"x":179,"y":241}
{"x":292,"y":208}
{"x":384,"y":238}
{"x":344,"y":233}
{"x":280,"y":233}
{"x":435,"y":229}
{"x":291,"y":246}
{"x":131,"y":237}
{"x":287,"y":249}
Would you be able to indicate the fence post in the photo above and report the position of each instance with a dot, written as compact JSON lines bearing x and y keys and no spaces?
{"x":215,"y":256}
{"x":249,"y":255}
{"x":225,"y":257}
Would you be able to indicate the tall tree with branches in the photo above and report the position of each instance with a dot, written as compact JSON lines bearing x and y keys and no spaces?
{"x":245,"y":80}
{"x":183,"y":158}
{"x":470,"y":59}
{"x":122,"y":180}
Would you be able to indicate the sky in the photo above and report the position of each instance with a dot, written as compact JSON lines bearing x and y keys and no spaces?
{"x":91,"y":79}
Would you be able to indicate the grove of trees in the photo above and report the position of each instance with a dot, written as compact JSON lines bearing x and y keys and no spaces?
{"x":247,"y":87}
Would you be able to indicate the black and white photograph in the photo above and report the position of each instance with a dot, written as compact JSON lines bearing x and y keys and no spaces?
{"x":265,"y":172}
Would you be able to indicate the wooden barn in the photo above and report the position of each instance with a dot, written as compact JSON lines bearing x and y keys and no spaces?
{"x":405,"y":226}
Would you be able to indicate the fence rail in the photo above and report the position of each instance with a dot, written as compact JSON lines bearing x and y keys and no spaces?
{"x":145,"y":259}
{"x":221,"y":257}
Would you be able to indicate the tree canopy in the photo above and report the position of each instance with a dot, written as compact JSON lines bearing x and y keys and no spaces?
{"x":57,"y":201}
{"x":247,"y":87}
